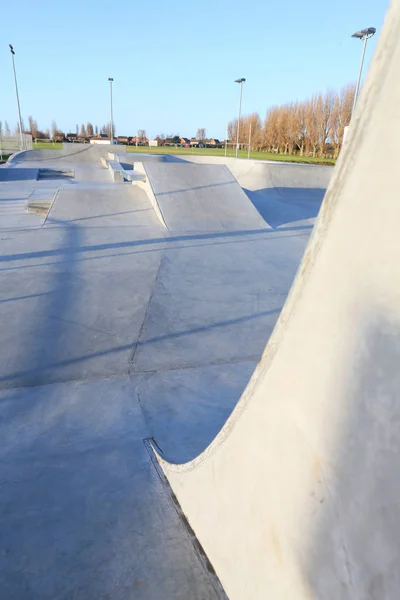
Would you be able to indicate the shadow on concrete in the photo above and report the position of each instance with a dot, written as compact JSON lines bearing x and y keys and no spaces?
{"x":49,"y":329}
{"x":83,"y":514}
{"x":146,"y":242}
{"x":354,"y":548}
{"x":27,"y":297}
{"x":132,"y":157}
{"x":205,"y":328}
{"x":18,"y":174}
{"x":186,"y":408}
{"x":298,"y":232}
{"x":49,"y":340}
{"x":126,"y":212}
{"x":279,"y":206}
{"x":174,"y":159}
{"x":196,"y":188}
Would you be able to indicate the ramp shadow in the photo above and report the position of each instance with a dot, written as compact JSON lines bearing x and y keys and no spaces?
{"x":279,"y":206}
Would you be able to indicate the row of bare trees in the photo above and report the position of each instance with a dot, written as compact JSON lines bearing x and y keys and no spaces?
{"x":314,"y":127}
{"x":83,"y":131}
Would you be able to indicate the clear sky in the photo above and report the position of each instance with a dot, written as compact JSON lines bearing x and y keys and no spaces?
{"x":174,"y":61}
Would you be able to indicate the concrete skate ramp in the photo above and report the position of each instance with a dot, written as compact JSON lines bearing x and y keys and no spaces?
{"x":81,"y":153}
{"x":193,"y":197}
{"x":298,"y":497}
{"x":283,"y":193}
{"x":131,"y":158}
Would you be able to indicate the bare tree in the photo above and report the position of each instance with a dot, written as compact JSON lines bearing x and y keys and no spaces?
{"x":7,"y":128}
{"x":96,"y":130}
{"x":341,"y":115}
{"x":54,"y":129}
{"x":106,"y":129}
{"x":33,"y":127}
{"x":270,"y":130}
{"x":77,"y":129}
{"x":231,"y":129}
{"x":201,"y":134}
{"x":314,"y":126}
{"x":89,"y":129}
{"x":47,"y":133}
{"x":252,"y":121}
{"x":141,"y":134}
{"x":297,"y":126}
{"x":83,"y":131}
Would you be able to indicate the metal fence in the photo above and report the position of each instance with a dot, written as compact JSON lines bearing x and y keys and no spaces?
{"x":12,"y":143}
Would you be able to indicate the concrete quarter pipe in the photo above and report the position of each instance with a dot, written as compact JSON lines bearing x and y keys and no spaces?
{"x":117,"y":329}
{"x":298,"y":496}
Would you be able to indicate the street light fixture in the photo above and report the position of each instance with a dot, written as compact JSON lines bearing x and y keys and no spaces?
{"x":110,"y":79}
{"x":240,"y":81}
{"x":16,"y":92}
{"x":364,"y":36}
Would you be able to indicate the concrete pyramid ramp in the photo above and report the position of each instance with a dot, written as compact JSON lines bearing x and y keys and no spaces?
{"x":194,"y":197}
{"x":298,"y":497}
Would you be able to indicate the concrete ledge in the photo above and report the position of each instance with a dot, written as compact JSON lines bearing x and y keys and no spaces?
{"x":113,"y":156}
{"x":146,"y":186}
{"x":116,"y":170}
{"x":134,"y":177}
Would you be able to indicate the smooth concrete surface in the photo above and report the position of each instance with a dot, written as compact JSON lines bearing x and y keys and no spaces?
{"x":283,"y":193}
{"x":15,"y":199}
{"x":144,"y":184}
{"x":194,"y":197}
{"x":83,"y":513}
{"x":298,"y":496}
{"x":115,"y":329}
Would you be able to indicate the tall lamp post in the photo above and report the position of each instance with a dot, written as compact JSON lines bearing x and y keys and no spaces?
{"x":240,"y":82}
{"x":110,"y":79}
{"x":16,"y":92}
{"x":364,"y":36}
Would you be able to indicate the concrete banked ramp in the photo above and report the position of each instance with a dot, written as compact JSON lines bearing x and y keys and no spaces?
{"x":195,"y":197}
{"x":298,"y":496}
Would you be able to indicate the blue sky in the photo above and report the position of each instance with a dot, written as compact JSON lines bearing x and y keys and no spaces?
{"x":174,"y":62}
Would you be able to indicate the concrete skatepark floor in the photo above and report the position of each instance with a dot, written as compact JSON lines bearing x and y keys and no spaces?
{"x":116,"y":329}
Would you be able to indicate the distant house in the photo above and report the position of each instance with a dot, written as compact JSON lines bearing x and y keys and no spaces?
{"x":215,"y":143}
{"x":194,"y":143}
{"x":153,"y":143}
{"x":138,"y":141}
{"x":72,"y":137}
{"x":185,"y":142}
{"x":123,"y":139}
{"x":100,"y":138}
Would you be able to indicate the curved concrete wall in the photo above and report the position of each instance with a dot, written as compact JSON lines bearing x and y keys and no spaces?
{"x":298,"y":496}
{"x":257,"y":174}
{"x":82,"y":152}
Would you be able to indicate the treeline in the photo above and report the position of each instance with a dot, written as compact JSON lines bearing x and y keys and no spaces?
{"x":33,"y":129}
{"x":314,"y":127}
